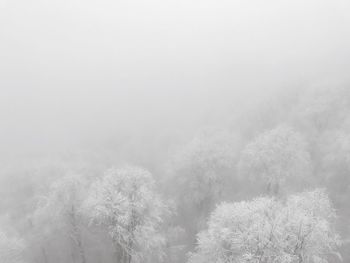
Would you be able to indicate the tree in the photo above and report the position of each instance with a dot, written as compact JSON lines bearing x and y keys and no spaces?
{"x":125,"y":203}
{"x":200,"y":173}
{"x":322,"y":107}
{"x":11,"y":249}
{"x":265,"y":230}
{"x":202,"y":168}
{"x":60,"y":209}
{"x":336,"y":157}
{"x":274,"y":157}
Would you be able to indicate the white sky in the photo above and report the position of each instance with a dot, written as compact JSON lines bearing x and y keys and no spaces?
{"x":81,"y":68}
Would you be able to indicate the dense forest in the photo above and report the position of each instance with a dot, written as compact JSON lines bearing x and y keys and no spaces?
{"x":268,"y":183}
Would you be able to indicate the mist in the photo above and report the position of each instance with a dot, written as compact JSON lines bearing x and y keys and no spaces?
{"x":97,"y":84}
{"x":74,"y":70}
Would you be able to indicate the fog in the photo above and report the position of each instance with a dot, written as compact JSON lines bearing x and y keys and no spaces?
{"x":134,"y":80}
{"x":81,"y":69}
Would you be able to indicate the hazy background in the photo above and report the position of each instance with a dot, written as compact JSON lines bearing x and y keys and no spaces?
{"x":86,"y":85}
{"x":77,"y":72}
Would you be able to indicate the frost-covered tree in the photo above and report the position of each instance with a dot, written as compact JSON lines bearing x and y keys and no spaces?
{"x":11,"y":249}
{"x":336,"y":152}
{"x":124,"y":202}
{"x":274,"y":157}
{"x":335,"y":166}
{"x":299,"y":229}
{"x":201,"y":169}
{"x":321,"y":107}
{"x":60,"y":210}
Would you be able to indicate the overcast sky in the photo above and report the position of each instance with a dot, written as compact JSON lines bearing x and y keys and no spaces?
{"x":72,"y":69}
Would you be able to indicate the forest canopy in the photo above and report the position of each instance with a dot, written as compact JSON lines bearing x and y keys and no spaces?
{"x":247,"y":191}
